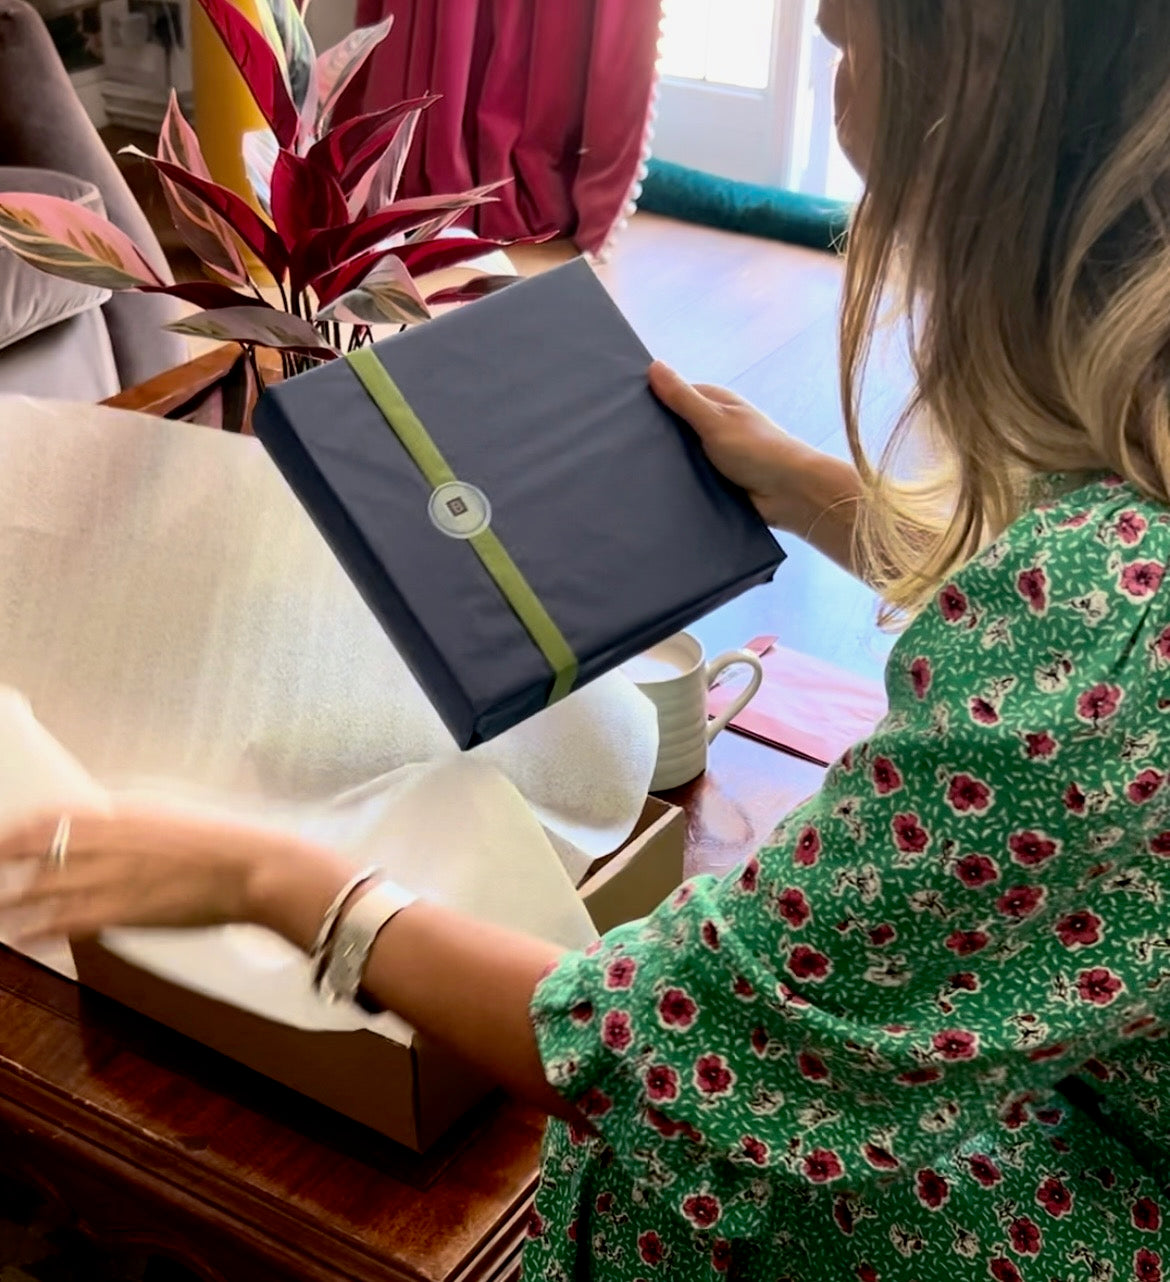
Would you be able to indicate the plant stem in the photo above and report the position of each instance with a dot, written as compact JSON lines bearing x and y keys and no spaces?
{"x":251,"y":350}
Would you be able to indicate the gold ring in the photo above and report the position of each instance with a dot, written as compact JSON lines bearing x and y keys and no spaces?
{"x":59,"y":847}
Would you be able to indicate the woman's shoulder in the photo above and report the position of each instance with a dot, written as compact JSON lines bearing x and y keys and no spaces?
{"x":1079,"y":584}
{"x":1101,"y":515}
{"x":1084,"y":555}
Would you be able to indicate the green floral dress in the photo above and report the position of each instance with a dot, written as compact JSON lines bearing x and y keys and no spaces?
{"x":922,"y":1035}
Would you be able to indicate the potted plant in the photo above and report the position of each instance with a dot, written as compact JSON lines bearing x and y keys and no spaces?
{"x":328,"y":236}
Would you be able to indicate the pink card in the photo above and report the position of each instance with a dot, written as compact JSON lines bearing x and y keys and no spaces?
{"x":805,"y":706}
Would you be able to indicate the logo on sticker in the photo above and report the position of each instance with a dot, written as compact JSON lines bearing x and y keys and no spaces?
{"x":459,"y":510}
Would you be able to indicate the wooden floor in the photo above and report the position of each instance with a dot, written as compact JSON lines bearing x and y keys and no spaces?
{"x":754,"y":315}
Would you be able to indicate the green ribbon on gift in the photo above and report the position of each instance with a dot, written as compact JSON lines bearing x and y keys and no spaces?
{"x":436,"y":471}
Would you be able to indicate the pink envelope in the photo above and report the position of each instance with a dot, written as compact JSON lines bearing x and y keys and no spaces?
{"x":805,"y":706}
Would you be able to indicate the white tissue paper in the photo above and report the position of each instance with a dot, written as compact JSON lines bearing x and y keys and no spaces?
{"x":177,"y":623}
{"x":448,"y":854}
{"x":172,"y":613}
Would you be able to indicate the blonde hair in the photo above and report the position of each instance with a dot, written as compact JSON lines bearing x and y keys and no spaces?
{"x":1019,"y":200}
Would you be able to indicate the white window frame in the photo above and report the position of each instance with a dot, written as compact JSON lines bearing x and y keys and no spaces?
{"x":777,"y":137}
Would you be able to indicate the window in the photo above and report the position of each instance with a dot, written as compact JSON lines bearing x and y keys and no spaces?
{"x":747,"y":93}
{"x":725,"y":42}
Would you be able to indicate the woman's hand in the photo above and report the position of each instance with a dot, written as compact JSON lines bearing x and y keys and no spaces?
{"x":147,"y":867}
{"x":794,"y":487}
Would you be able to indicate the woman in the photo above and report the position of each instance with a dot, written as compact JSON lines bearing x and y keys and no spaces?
{"x":921,"y":1035}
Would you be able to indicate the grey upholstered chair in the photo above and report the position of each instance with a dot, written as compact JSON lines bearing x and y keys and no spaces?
{"x":56,"y":339}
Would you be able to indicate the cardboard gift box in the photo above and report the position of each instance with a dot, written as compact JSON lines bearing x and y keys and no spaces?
{"x":515,"y":506}
{"x":411,"y":1093}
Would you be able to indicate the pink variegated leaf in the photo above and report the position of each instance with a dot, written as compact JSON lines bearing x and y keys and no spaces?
{"x":337,"y":67}
{"x":349,"y":275}
{"x":385,"y":295}
{"x":481,"y":287}
{"x":63,"y":238}
{"x":203,"y":230}
{"x":260,"y":152}
{"x":205,"y":294}
{"x":304,"y":199}
{"x":436,"y":227}
{"x":307,"y":127}
{"x":285,"y":30}
{"x":257,"y":327}
{"x":260,"y":66}
{"x":326,"y":250}
{"x":378,"y":186}
{"x":256,"y":234}
{"x":354,"y":146}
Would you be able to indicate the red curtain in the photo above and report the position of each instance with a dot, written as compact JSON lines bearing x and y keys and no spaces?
{"x":556,"y":94}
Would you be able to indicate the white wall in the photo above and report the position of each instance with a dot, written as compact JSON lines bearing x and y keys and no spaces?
{"x":330,"y":21}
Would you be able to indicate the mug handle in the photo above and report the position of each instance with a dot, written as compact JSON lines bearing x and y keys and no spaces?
{"x":718,"y":666}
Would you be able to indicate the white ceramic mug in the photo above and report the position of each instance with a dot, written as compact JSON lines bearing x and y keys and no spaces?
{"x":676,"y":678}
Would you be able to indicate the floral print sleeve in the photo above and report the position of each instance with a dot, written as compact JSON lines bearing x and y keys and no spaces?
{"x":970,"y":910}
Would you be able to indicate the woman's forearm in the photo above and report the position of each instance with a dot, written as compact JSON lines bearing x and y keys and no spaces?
{"x":456,"y":980}
{"x":469,"y":986}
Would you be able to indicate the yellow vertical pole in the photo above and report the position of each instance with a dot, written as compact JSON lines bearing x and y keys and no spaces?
{"x":224,"y":109}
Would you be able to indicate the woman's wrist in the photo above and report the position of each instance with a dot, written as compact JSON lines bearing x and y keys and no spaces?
{"x":810,"y":486}
{"x":291,"y":888}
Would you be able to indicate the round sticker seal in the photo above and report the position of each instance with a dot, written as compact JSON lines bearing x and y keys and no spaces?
{"x":459,"y":510}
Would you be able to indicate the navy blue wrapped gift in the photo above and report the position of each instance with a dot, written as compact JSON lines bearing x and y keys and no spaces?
{"x":513,"y":503}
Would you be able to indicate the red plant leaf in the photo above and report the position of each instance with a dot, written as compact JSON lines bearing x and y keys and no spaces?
{"x":258,"y":327}
{"x":348,"y":276}
{"x":424,"y":257}
{"x":63,"y":238}
{"x":328,"y":249}
{"x":203,"y":230}
{"x":337,"y":67}
{"x":260,"y":66}
{"x":358,"y":143}
{"x":304,"y":199}
{"x":481,"y":287}
{"x":378,"y":186}
{"x":204,"y":294}
{"x":256,"y":234}
{"x":431,"y":257}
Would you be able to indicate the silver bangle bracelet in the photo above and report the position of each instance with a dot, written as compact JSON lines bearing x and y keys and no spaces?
{"x":332,"y":914}
{"x":354,"y":939}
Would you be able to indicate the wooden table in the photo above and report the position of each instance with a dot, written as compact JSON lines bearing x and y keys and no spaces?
{"x":153,"y":1140}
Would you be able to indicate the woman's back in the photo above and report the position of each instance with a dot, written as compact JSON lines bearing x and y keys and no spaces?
{"x":870,"y":1026}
